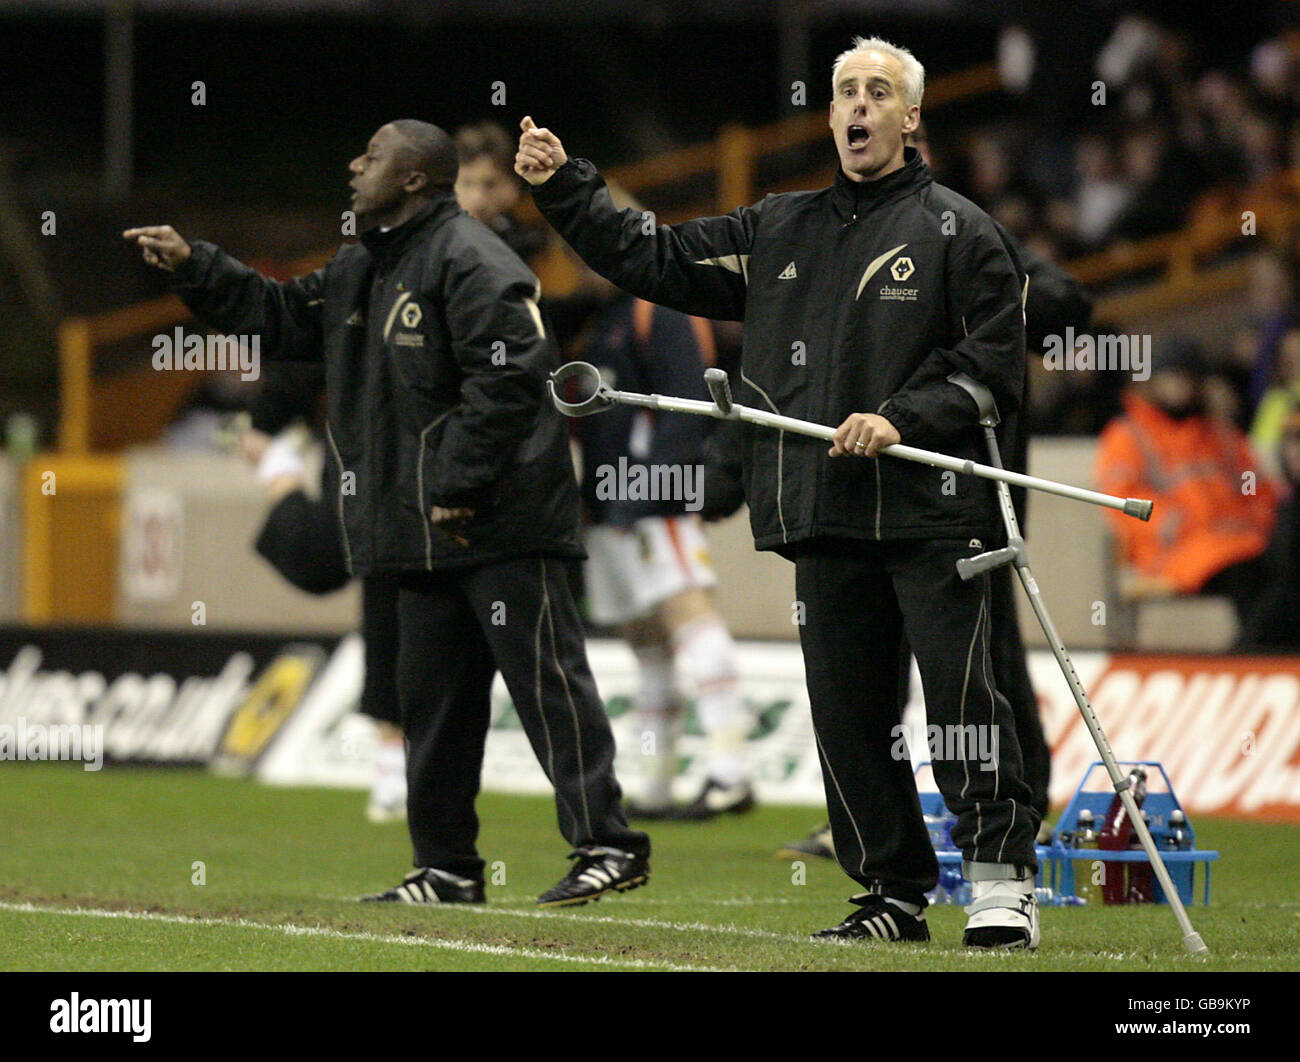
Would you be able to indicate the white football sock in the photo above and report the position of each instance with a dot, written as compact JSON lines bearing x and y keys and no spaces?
{"x":657,"y":704}
{"x":389,"y":784}
{"x":707,"y":655}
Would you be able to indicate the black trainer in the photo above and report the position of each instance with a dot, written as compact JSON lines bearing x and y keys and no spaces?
{"x":877,"y":919}
{"x":717,"y":799}
{"x":634,"y":809}
{"x":427,"y":885}
{"x":819,"y":843}
{"x":595,"y":872}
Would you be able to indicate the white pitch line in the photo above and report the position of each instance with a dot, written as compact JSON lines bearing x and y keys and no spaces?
{"x":641,"y":923}
{"x":369,"y":938}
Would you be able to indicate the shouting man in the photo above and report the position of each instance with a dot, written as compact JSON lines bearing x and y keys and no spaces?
{"x":860,"y":301}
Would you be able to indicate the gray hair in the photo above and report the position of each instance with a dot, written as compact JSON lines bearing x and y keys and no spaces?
{"x":913,"y":71}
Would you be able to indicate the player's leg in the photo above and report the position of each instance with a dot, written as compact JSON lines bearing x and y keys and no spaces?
{"x":972,"y":736}
{"x":675,"y":577}
{"x":658,"y":707}
{"x":527,"y":613}
{"x":612,"y":571}
{"x":850,"y":636}
{"x":444,"y":679}
{"x":379,"y":697}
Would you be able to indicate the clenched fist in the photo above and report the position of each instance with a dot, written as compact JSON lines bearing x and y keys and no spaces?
{"x":540,"y":153}
{"x":161,"y":244}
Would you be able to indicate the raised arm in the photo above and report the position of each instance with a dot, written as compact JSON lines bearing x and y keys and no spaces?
{"x":699,"y":267}
{"x":236,"y":300}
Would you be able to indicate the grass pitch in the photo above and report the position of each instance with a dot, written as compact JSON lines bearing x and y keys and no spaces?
{"x":156,"y":870}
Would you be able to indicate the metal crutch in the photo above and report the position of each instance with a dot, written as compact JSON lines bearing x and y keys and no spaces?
{"x":602,"y":397}
{"x":1014,"y":552}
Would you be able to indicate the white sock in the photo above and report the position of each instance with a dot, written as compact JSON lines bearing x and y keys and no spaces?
{"x":913,"y":909}
{"x":656,"y":703}
{"x":707,"y":654}
{"x":389,"y":784}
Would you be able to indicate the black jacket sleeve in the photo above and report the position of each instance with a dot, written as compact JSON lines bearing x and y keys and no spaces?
{"x":698,"y":267}
{"x":984,"y":300}
{"x":239,"y":301}
{"x":500,"y":347}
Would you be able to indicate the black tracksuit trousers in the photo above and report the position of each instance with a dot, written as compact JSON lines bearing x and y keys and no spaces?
{"x":456,"y":629}
{"x":861,"y":599}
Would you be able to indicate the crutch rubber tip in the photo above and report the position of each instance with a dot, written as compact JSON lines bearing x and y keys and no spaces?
{"x":1193,"y":943}
{"x":1139,"y":507}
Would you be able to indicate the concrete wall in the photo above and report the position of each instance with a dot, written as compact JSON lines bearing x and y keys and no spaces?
{"x":221,"y":509}
{"x":214,"y":507}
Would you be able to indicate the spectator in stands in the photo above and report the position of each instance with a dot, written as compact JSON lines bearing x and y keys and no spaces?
{"x":1272,"y":294}
{"x":1160,"y":192}
{"x":1102,"y":193}
{"x":1279,"y":401}
{"x":1271,"y":625}
{"x":1214,"y":504}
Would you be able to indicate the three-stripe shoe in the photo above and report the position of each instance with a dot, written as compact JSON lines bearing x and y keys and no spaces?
{"x":427,"y":885}
{"x":877,"y":919}
{"x":595,"y":872}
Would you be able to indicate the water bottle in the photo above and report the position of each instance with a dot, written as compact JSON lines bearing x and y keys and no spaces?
{"x":939,"y":827}
{"x":1179,"y":838}
{"x":1085,"y":839}
{"x":1115,"y":835}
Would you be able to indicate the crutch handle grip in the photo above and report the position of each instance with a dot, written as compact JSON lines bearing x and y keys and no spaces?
{"x":1139,"y":507}
{"x":969,"y":567}
{"x":719,"y":389}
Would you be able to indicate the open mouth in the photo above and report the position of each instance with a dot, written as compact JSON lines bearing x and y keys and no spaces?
{"x":858,"y":136}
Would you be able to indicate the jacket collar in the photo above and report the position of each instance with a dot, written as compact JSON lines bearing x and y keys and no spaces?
{"x":388,"y":246}
{"x":854,"y":198}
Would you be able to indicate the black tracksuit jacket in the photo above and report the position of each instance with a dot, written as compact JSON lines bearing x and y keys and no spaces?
{"x":435,"y":362}
{"x":860,"y":297}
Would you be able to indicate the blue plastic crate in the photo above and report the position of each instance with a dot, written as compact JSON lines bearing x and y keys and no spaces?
{"x":1094,"y":792}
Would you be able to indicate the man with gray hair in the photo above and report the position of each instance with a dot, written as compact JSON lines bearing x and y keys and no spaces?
{"x":861,"y":302}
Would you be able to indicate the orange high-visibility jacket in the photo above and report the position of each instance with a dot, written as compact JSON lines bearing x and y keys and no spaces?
{"x":1205,"y":517}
